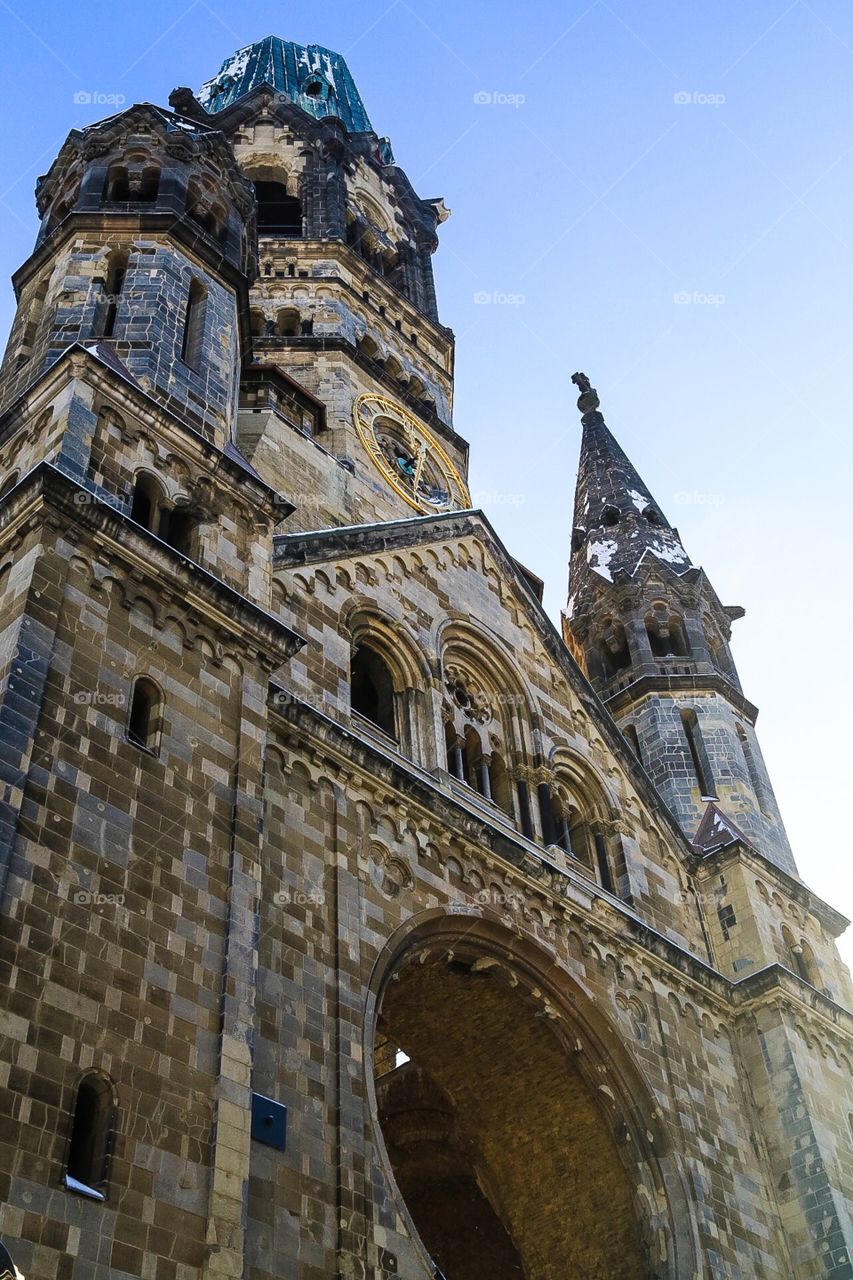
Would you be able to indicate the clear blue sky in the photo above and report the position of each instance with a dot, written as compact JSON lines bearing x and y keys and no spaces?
{"x":595,"y":203}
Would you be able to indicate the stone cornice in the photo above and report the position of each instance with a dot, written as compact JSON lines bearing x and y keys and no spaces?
{"x":126,"y":394}
{"x":199,"y":591}
{"x":766,"y":985}
{"x":738,"y":851}
{"x":323,"y":342}
{"x":697,"y":682}
{"x":173,"y":223}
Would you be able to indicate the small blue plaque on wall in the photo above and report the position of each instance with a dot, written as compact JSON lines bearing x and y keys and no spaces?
{"x":269,"y":1122}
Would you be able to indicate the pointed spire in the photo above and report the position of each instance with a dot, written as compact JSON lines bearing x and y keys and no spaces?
{"x":617,"y":521}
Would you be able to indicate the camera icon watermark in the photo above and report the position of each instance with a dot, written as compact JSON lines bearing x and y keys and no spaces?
{"x":496,"y":299}
{"x":693,"y":498}
{"x":696,"y":99}
{"x":497,"y":898}
{"x":90,"y":698}
{"x":492,"y":98}
{"x":299,"y":898}
{"x":85,"y":898}
{"x":95,"y":98}
{"x":492,"y":498}
{"x":695,"y":298}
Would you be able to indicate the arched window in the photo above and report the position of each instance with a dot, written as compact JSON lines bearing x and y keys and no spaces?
{"x":113,"y":285}
{"x":178,"y":526}
{"x":698,"y":753}
{"x":454,"y":748}
{"x":258,"y":322}
{"x":145,"y":714}
{"x":368,"y":347}
{"x":799,"y":957}
{"x":613,"y":648}
{"x":610,"y":516}
{"x":146,"y":503}
{"x":135,"y":184}
{"x":667,"y":636}
{"x":279,"y":214}
{"x":287,"y":323}
{"x":476,"y":767}
{"x":393,"y":367}
{"x":93,"y":1127}
{"x":500,"y":783}
{"x":192,"y":341}
{"x":372,"y":690}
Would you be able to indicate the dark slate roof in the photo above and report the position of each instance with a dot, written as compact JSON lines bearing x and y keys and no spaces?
{"x":314,"y":78}
{"x":716,"y":831}
{"x":617,"y":522}
{"x":234,"y":455}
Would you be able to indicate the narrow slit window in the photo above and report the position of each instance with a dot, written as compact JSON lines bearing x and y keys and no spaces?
{"x":605,"y":875}
{"x":755,"y":778}
{"x":143,"y":721}
{"x":113,"y":286}
{"x":92,"y":1136}
{"x":194,"y":318}
{"x":698,"y":754}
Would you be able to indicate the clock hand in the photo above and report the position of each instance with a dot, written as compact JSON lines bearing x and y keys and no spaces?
{"x":419,"y":466}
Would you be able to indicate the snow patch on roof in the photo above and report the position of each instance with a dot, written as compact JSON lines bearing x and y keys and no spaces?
{"x":673,"y":553}
{"x":638,"y":499}
{"x":599,"y":555}
{"x":570,"y":607}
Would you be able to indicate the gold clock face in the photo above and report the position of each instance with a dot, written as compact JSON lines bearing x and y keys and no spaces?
{"x":409,"y":457}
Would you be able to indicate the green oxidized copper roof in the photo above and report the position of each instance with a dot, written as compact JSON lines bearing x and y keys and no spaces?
{"x":314,"y":78}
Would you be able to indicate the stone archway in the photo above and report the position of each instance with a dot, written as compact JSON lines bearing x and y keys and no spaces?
{"x":519,"y":1143}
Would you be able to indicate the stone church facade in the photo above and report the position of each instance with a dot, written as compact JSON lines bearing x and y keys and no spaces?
{"x":355,"y":921}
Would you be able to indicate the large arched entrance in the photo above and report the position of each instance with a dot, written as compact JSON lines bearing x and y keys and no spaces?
{"x":504,"y":1119}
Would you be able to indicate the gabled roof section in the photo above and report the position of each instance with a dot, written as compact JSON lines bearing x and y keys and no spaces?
{"x":716,"y":831}
{"x":324,"y":546}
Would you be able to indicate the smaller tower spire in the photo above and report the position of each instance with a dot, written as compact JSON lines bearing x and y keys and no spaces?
{"x":616,"y":520}
{"x":653,"y":637}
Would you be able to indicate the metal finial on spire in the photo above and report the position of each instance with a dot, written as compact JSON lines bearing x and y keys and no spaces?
{"x":588,"y":400}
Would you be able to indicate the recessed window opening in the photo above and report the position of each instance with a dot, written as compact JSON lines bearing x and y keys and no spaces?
{"x":698,"y":753}
{"x":753,"y":772}
{"x":605,"y":875}
{"x":146,"y":501}
{"x":372,"y":689}
{"x":92,"y":1136}
{"x":279,"y":214}
{"x":143,"y":721}
{"x":667,"y":639}
{"x":192,"y":341}
{"x":113,"y":285}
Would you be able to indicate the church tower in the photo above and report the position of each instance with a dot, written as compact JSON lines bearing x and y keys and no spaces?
{"x":350,"y":927}
{"x":653,"y":637}
{"x":344,"y":303}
